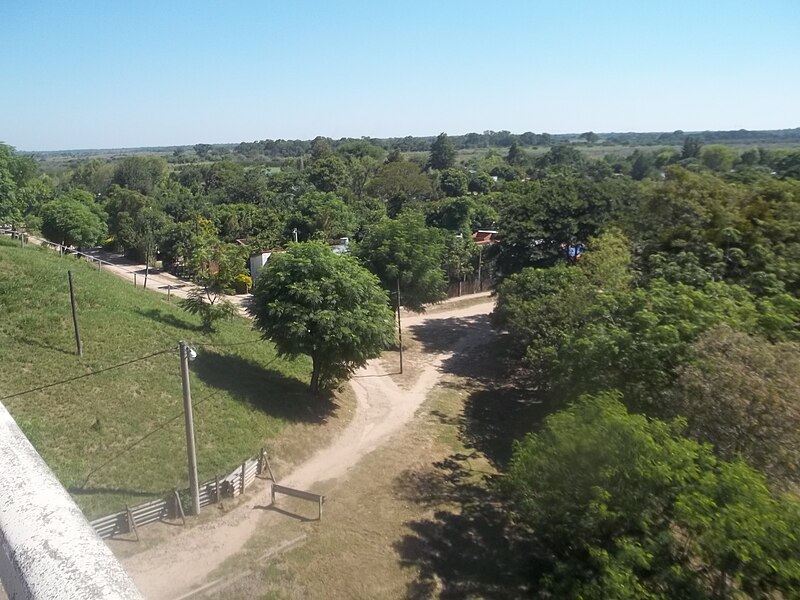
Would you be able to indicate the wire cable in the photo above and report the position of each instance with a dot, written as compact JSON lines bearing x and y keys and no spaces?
{"x":150,"y":433}
{"x":213,"y":345}
{"x":77,"y":377}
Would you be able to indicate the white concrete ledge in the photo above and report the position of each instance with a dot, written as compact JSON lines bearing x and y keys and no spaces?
{"x":47,"y":548}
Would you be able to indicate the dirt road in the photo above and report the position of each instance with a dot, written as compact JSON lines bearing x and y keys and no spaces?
{"x":183,"y":563}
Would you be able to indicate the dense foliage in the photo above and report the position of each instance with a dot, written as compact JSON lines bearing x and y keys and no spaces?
{"x":626,"y":507}
{"x":314,"y":302}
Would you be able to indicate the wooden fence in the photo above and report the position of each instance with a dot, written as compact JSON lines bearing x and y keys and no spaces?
{"x":170,"y":507}
{"x":470,"y":285}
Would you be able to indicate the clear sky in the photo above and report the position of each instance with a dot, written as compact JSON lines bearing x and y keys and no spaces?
{"x":80,"y":74}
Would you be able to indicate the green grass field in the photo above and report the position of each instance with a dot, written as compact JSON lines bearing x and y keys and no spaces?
{"x":244,"y":394}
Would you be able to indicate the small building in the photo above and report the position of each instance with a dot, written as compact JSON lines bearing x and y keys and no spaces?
{"x":484,"y":237}
{"x":340,"y":246}
{"x":257,"y":262}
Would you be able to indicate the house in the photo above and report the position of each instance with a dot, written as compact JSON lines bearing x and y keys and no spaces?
{"x":484,"y":237}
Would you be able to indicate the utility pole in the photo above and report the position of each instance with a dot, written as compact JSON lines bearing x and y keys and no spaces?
{"x":399,"y":326}
{"x":74,"y":315}
{"x":187,"y":413}
{"x":480,"y":261}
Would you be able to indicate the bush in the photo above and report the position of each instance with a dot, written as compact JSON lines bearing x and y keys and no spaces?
{"x":242,"y":283}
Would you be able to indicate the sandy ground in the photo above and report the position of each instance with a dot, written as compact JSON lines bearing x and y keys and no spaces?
{"x":385,"y":400}
{"x":383,"y":408}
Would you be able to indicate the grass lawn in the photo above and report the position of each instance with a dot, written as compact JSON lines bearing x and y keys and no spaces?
{"x":244,"y":394}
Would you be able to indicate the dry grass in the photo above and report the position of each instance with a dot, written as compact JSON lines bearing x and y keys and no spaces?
{"x":372,"y":540}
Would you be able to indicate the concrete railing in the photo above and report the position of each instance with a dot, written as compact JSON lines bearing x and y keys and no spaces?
{"x":47,"y":548}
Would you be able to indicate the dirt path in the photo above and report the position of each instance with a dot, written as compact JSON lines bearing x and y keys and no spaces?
{"x":175,"y":567}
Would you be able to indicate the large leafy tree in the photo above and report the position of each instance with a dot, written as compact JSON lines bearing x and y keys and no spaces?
{"x":329,"y":173}
{"x":140,"y":173}
{"x":626,"y":507}
{"x":73,"y":219}
{"x":148,"y":228}
{"x":443,"y":153}
{"x":322,"y":216}
{"x":405,"y":253}
{"x":20,"y":191}
{"x":742,"y":394}
{"x":311,"y":301}
{"x":399,"y":183}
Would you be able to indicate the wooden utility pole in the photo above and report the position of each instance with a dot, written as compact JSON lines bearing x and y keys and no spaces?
{"x":399,"y":326}
{"x":74,"y":315}
{"x":187,"y":413}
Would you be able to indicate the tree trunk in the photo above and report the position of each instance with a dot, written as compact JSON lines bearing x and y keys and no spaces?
{"x":146,"y":270}
{"x":315,"y":373}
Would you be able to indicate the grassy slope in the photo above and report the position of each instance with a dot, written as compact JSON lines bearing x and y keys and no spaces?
{"x":247,"y":395}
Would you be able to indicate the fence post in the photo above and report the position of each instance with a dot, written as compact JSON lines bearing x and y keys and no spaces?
{"x":131,"y":522}
{"x":218,"y":492}
{"x":179,"y":507}
{"x":269,"y":468}
{"x":241,"y":484}
{"x":260,"y":467}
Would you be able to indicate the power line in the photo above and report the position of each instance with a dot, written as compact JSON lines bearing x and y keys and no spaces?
{"x":71,"y":379}
{"x":145,"y":436}
{"x":213,"y":345}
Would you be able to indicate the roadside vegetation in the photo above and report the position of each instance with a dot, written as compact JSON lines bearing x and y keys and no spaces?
{"x":245,"y":395}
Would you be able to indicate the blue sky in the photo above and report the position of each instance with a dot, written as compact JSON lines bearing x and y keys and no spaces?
{"x":116,"y":74}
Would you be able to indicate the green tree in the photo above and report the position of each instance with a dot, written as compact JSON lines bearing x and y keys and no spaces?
{"x":329,"y":173}
{"x":516,"y":155}
{"x":140,"y":173}
{"x":19,"y":190}
{"x":93,"y":175}
{"x":443,"y":153}
{"x":742,"y":394}
{"x":590,"y":136}
{"x":691,"y":148}
{"x":322,"y":216}
{"x":405,"y":252}
{"x":400,"y":183}
{"x":453,"y":182}
{"x":147,"y":230}
{"x":717,"y":157}
{"x":313,"y":302}
{"x":213,"y":266}
{"x":626,"y":507}
{"x":123,"y":205}
{"x":320,"y":148}
{"x":73,"y":220}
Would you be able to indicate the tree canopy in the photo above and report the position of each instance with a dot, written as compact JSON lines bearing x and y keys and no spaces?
{"x":621,"y":506}
{"x":311,"y":301}
{"x":405,"y":251}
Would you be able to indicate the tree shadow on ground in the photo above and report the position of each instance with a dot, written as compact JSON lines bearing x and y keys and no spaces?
{"x":442,"y":335}
{"x":166,"y":318}
{"x":473,"y":550}
{"x":266,"y":389}
{"x":499,"y":407}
